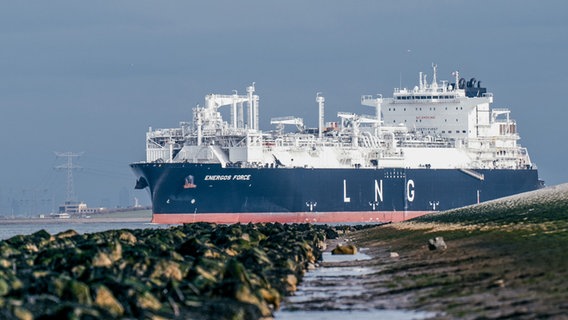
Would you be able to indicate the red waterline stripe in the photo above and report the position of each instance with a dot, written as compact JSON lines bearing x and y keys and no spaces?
{"x":289,"y":217}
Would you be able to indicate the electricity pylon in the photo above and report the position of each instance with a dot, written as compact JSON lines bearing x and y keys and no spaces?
{"x":69,"y":166}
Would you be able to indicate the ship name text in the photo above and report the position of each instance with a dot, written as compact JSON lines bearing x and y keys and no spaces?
{"x":226,"y":177}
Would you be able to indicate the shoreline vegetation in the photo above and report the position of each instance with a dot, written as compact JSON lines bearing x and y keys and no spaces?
{"x":503,"y":259}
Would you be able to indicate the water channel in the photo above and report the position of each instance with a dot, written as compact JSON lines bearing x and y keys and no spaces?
{"x":336,"y":290}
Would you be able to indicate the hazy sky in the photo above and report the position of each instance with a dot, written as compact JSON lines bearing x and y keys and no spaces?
{"x":92,"y":76}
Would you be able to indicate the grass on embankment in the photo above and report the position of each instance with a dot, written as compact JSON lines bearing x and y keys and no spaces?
{"x":505,"y":258}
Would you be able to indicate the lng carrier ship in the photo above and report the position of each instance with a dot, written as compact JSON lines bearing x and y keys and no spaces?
{"x":433,"y":147}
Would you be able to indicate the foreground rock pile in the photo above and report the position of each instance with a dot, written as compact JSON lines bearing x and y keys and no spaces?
{"x":198,"y":271}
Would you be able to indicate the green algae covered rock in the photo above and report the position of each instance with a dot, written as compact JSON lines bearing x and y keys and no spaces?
{"x":344,"y":249}
{"x":199,"y":270}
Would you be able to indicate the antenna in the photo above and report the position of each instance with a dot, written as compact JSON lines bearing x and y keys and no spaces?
{"x":456,"y":74}
{"x":434,"y":79}
{"x":69,"y":166}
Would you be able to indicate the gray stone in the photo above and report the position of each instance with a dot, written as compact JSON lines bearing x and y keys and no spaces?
{"x":437,"y":243}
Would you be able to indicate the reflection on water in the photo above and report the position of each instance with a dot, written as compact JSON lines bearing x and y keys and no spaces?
{"x":351,"y":315}
{"x":360,"y":255}
{"x":336,"y":291}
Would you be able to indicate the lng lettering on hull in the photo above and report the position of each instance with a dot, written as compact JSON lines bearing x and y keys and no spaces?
{"x":379,"y":191}
{"x":437,"y":146}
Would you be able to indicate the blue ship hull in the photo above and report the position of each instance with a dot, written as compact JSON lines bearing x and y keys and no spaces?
{"x":186,"y":192}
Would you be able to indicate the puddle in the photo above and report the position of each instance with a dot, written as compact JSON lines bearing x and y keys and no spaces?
{"x":352,"y":315}
{"x":338,"y":292}
{"x":337,"y":272}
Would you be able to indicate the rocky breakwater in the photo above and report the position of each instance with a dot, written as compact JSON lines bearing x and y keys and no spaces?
{"x":197,"y":271}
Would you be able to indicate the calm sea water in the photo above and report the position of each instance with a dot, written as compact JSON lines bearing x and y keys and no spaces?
{"x":8,"y":230}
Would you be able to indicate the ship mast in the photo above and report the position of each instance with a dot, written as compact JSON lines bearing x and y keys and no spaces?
{"x":320,"y":100}
{"x":434,"y":77}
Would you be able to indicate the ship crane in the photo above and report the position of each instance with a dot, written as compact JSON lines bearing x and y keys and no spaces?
{"x":499,"y":111}
{"x":355,"y":118}
{"x":367,"y":119}
{"x":215,"y":101}
{"x":354,"y":121}
{"x":280,"y":122}
{"x":209,"y":121}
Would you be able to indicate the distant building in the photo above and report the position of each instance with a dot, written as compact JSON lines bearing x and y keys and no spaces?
{"x":74,"y":207}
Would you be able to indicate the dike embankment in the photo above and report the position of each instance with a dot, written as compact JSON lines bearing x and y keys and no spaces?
{"x":505,"y":259}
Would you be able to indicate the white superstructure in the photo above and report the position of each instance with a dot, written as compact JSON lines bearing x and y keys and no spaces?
{"x":433,"y":125}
